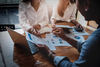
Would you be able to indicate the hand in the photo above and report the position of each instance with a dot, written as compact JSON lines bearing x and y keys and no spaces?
{"x":43,"y":49}
{"x":79,"y":25}
{"x":53,"y":21}
{"x":59,"y":32}
{"x":33,"y":31}
{"x":36,"y":33}
{"x":37,"y":27}
{"x":53,"y":25}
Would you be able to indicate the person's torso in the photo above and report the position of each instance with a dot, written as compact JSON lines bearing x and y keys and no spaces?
{"x":90,"y":51}
{"x":33,"y":16}
{"x":67,"y":13}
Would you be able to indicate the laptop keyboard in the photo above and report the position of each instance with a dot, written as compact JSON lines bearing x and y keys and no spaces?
{"x":32,"y":47}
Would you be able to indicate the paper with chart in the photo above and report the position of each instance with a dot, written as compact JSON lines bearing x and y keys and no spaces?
{"x":73,"y":30}
{"x":79,"y":38}
{"x":56,"y":41}
{"x":38,"y":40}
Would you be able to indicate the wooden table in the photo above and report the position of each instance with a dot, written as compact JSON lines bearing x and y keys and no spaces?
{"x":17,"y":57}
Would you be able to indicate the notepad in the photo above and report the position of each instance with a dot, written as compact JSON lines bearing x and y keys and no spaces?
{"x":45,"y":30}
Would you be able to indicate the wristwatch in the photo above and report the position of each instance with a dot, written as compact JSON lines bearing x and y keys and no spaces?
{"x":49,"y":55}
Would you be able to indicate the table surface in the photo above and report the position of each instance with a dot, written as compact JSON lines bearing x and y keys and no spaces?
{"x":18,"y":57}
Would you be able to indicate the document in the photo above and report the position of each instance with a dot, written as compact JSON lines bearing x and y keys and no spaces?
{"x":79,"y":38}
{"x":56,"y":41}
{"x":80,"y":33}
{"x":38,"y":40}
{"x":63,"y":26}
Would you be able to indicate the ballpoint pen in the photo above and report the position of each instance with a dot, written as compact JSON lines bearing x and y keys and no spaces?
{"x":55,"y":30}
{"x":37,"y":32}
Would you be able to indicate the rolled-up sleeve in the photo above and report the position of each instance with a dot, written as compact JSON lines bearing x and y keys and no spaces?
{"x":79,"y":46}
{"x":58,"y":59}
{"x":22,"y":16}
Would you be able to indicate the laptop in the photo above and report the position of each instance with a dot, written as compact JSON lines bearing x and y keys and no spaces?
{"x":21,"y":41}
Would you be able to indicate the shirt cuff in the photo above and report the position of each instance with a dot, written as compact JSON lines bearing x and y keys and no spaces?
{"x":79,"y":46}
{"x":73,"y":19}
{"x":58,"y":59}
{"x":28,"y":27}
{"x":44,"y":23}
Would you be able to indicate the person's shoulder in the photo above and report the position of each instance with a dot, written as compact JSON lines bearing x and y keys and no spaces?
{"x":22,"y":4}
{"x":96,"y":32}
{"x":43,"y":5}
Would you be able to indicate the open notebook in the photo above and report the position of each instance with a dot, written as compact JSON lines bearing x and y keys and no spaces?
{"x":45,"y":30}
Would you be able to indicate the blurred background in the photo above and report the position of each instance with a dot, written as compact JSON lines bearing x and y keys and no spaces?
{"x":9,"y":12}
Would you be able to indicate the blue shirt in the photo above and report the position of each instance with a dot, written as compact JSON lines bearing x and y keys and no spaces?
{"x":89,"y":53}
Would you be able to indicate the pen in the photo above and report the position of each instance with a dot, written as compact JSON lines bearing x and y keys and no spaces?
{"x":37,"y":32}
{"x":56,"y":30}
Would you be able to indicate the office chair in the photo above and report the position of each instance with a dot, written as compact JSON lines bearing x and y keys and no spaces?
{"x":3,"y":27}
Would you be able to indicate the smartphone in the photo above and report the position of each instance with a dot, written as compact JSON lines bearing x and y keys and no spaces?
{"x":78,"y":29}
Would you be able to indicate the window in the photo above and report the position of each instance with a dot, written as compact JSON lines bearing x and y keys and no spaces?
{"x":10,"y":1}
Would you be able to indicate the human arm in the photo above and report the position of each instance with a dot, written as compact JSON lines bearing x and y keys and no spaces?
{"x":24,"y":20}
{"x":73,"y":17}
{"x":23,"y":17}
{"x":44,"y":18}
{"x":45,"y":50}
{"x":57,"y":60}
{"x":59,"y":32}
{"x":89,"y":56}
{"x":85,"y":59}
{"x":54,"y":15}
{"x":53,"y":22}
{"x":77,"y":24}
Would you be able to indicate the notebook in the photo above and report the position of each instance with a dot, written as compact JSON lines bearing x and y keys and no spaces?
{"x":21,"y":41}
{"x":45,"y":30}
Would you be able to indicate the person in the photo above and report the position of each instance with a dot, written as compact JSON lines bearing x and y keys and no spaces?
{"x":63,"y":11}
{"x":90,"y":49}
{"x":33,"y":15}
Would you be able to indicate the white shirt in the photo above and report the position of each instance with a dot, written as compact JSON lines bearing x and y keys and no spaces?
{"x":68,"y":14}
{"x":28,"y":16}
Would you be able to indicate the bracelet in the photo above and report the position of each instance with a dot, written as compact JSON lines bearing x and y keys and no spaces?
{"x":50,"y":53}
